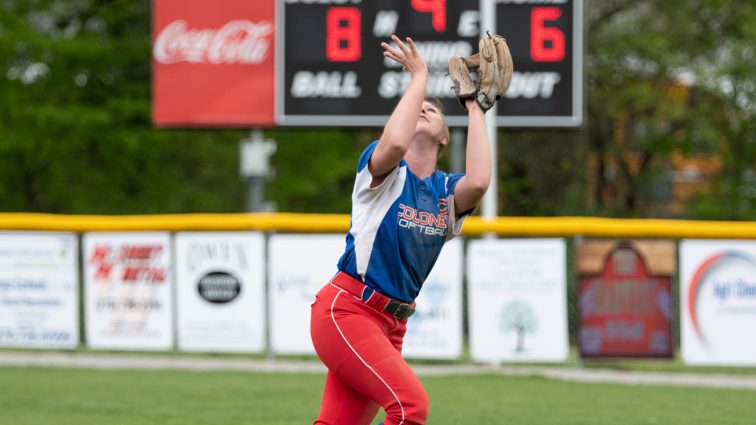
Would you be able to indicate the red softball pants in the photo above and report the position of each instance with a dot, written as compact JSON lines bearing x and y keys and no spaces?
{"x":361,"y":346}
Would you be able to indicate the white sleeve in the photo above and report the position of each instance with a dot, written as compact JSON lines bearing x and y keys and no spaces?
{"x":364,"y":179}
{"x":455,"y":223}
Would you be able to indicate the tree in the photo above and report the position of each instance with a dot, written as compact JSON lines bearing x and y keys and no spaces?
{"x":518,"y":316}
{"x":664,"y":77}
{"x":75,"y":118}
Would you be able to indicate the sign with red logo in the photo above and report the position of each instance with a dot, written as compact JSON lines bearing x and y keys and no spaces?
{"x":128,"y":302}
{"x":213,"y":63}
{"x":625,"y":298}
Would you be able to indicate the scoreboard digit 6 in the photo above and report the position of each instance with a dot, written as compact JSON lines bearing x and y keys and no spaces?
{"x":332,"y":72}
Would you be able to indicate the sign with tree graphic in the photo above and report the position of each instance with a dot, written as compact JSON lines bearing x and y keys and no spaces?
{"x":517,"y":299}
{"x":519,"y":317}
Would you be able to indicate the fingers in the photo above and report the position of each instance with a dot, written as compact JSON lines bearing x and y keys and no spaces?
{"x":413,"y":48}
{"x":392,"y":53}
{"x":403,"y":49}
{"x":401,"y":45}
{"x":387,"y":47}
{"x":393,"y":57}
{"x":403,"y":53}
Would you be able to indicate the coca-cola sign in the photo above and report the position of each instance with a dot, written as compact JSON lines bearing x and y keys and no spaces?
{"x":213,"y":63}
{"x":237,"y":41}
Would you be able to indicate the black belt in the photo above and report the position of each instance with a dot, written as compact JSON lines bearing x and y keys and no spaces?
{"x":370,"y":296}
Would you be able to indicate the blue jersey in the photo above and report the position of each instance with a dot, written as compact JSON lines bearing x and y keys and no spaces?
{"x":398,"y":228}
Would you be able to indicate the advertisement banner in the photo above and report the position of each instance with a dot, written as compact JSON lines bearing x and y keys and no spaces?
{"x":435,"y":330}
{"x":298,"y":266}
{"x":213,"y":63}
{"x":39,"y":292}
{"x":220,"y":291}
{"x":517,"y":300}
{"x":625,"y":298}
{"x":718,"y":302}
{"x":127,"y":290}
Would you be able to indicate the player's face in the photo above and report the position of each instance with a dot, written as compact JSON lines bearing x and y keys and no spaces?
{"x":431,"y":121}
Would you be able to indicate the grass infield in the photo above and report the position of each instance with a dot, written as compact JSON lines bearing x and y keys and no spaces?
{"x":51,"y":396}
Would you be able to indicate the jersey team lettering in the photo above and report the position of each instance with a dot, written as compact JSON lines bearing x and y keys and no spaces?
{"x":425,"y":222}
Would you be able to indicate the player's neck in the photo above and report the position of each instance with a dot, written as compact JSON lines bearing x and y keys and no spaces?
{"x":421,"y":156}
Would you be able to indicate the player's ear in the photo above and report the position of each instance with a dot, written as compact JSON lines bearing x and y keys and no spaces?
{"x":443,"y":143}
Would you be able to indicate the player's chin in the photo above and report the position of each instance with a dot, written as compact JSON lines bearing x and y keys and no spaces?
{"x":425,"y":131}
{"x":428,"y":131}
{"x":424,"y":126}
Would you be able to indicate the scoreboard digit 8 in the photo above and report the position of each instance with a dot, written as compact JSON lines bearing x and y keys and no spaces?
{"x":332,"y":72}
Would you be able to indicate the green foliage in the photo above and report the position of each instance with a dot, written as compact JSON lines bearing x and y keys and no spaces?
{"x":671,"y":76}
{"x":541,"y":173}
{"x":661,"y":78}
{"x":77,"y":135}
{"x":315,"y":169}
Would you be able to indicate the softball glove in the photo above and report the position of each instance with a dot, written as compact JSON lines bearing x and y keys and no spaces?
{"x":494,"y":66}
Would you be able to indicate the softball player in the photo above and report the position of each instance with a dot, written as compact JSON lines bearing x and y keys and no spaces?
{"x":403,"y":210}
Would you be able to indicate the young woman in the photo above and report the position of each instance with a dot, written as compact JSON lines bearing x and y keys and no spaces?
{"x":403,"y":210}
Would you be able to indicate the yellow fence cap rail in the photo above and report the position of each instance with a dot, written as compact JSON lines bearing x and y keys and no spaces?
{"x":612,"y":227}
{"x":281,"y":222}
{"x":339,"y":223}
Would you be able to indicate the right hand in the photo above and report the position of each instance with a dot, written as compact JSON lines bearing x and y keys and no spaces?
{"x":407,"y":56}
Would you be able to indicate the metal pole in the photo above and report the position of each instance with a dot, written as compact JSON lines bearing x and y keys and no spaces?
{"x":255,"y":184}
{"x":254,"y":166}
{"x":457,"y":151}
{"x":255,"y":194}
{"x":489,"y":208}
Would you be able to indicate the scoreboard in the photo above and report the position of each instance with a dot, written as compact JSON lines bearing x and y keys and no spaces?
{"x":331,"y":70}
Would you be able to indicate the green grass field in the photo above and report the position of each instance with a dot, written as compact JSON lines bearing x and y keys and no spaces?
{"x":42,"y":396}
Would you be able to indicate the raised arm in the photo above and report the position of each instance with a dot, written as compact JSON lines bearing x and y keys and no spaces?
{"x":400,"y":128}
{"x":473,"y":185}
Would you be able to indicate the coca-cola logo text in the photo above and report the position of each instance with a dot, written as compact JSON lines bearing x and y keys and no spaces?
{"x":238,"y":41}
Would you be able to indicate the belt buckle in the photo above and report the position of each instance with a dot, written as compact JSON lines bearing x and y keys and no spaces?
{"x":404,"y":311}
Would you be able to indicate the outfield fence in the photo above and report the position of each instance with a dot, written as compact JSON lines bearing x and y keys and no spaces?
{"x":496,"y":289}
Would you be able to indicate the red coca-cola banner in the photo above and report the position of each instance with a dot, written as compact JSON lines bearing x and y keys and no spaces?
{"x":213,"y":63}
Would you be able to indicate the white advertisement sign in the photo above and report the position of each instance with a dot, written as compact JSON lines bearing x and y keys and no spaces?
{"x":435,"y":330}
{"x":39,"y":305}
{"x":298,"y":266}
{"x":517,"y":300}
{"x":127,"y":291}
{"x":718,"y":302}
{"x":220,"y":280}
